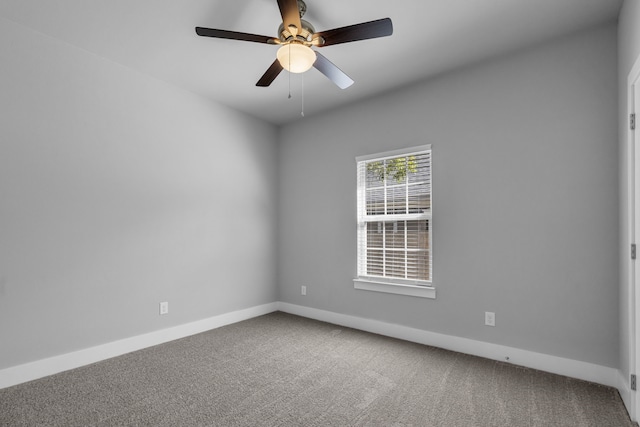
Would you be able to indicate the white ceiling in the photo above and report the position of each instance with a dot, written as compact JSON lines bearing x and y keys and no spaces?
{"x":157,"y":37}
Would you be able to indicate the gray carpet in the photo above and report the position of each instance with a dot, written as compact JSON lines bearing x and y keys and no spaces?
{"x":283,"y":370}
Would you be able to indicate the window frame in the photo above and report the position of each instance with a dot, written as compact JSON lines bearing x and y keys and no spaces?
{"x":386,"y":284}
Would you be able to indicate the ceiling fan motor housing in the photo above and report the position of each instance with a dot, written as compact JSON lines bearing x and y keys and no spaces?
{"x":304,"y":35}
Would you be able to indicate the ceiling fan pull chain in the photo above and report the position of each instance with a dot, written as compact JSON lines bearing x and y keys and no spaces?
{"x":289,"y":71}
{"x":302,"y":108}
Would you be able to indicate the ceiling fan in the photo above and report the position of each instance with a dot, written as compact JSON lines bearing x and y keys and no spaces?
{"x":296,"y":36}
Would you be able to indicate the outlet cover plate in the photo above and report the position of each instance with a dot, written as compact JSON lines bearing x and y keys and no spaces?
{"x":164,"y":307}
{"x":489,"y":318}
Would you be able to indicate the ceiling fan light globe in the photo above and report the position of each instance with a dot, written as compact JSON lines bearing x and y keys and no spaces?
{"x":296,"y":58}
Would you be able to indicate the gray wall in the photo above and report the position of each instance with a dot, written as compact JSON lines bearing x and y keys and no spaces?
{"x":628,"y":52}
{"x":525,"y":200}
{"x":114,"y":195}
{"x":117,"y":192}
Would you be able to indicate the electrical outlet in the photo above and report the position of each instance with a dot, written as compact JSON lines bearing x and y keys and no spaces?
{"x":489,"y":318}
{"x":303,"y":290}
{"x":164,"y":307}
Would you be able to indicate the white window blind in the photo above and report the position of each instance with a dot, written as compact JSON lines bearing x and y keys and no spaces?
{"x":394,"y":217}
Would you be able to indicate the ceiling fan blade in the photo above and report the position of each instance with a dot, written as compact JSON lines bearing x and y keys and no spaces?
{"x":330,"y":70}
{"x":270,"y":75}
{"x":352,"y":33}
{"x":234,"y":35}
{"x":290,"y":14}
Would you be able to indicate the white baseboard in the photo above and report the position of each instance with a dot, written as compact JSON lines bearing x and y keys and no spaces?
{"x":624,"y":388}
{"x":53,"y":365}
{"x":544,"y":362}
{"x":557,"y":365}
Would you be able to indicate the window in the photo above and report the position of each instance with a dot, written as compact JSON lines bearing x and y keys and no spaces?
{"x":394,"y":222}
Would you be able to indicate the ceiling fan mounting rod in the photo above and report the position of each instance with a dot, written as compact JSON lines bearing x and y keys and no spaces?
{"x":302,"y":7}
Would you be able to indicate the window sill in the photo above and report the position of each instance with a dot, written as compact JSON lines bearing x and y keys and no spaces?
{"x":398,"y":289}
